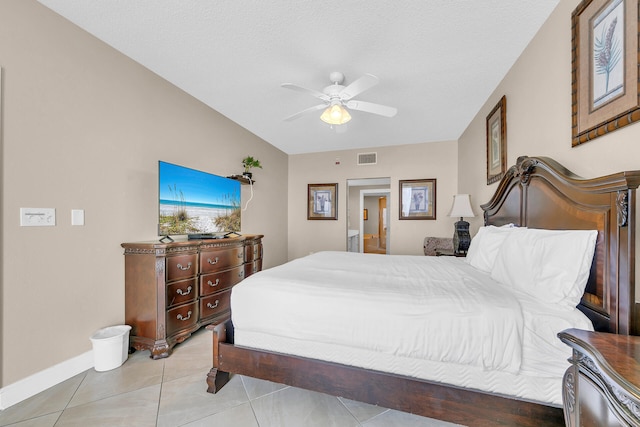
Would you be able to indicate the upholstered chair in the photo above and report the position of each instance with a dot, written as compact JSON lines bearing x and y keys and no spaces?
{"x":431,"y":244}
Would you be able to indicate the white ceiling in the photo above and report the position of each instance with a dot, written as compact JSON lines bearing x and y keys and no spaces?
{"x":438,"y":60}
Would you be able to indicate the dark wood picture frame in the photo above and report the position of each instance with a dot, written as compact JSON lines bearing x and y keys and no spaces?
{"x":417,"y":199}
{"x":322,"y":201}
{"x":497,"y":142}
{"x":604,"y":68}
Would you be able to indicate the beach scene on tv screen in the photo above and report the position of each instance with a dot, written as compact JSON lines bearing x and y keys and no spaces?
{"x":193,"y":202}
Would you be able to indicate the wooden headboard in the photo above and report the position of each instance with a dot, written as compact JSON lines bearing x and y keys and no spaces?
{"x":538,"y":192}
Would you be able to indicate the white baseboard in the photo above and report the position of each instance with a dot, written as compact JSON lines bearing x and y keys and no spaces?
{"x":36,"y":383}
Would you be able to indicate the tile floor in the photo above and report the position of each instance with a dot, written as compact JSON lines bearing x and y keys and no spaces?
{"x":172,"y":392}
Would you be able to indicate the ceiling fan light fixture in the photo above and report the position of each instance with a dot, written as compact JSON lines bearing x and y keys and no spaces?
{"x":335,"y":114}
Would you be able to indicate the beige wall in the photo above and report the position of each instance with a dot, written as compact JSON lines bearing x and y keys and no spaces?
{"x":428,"y":160}
{"x":84,"y":128}
{"x":538,"y":91}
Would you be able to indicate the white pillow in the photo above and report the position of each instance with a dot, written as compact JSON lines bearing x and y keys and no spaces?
{"x":485,"y":245}
{"x":551,"y":265}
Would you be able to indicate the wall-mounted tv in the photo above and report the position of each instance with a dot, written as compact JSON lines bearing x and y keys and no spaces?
{"x":196,"y":203}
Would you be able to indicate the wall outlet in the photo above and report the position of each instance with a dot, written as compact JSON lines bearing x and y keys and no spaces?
{"x":37,"y":217}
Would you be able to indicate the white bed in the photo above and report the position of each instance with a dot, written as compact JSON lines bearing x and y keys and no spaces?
{"x":540,"y":273}
{"x":434,"y":318}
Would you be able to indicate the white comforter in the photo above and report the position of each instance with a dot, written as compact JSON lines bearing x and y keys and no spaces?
{"x":433,"y":308}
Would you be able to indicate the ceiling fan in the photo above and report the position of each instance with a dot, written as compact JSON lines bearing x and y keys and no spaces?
{"x":336,"y":97}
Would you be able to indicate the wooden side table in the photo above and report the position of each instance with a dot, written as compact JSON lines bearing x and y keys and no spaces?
{"x":602,"y":385}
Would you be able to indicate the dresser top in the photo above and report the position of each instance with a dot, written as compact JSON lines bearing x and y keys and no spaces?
{"x":183,"y":244}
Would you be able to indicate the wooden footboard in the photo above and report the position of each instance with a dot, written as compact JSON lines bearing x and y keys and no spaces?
{"x":429,"y":399}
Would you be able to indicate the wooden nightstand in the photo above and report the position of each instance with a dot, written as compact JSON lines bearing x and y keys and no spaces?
{"x":602,"y":386}
{"x":448,"y":252}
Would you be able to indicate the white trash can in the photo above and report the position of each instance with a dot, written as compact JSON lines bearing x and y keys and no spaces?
{"x":110,"y":347}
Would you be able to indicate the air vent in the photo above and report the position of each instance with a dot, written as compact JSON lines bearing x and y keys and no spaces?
{"x":367,"y":159}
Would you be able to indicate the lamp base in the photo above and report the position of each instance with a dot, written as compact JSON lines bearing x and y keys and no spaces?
{"x":461,"y":237}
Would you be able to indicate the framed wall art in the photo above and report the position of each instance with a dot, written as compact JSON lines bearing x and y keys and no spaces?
{"x":418,"y":199}
{"x":604,"y":68}
{"x":322,"y":201}
{"x":497,"y":142}
{"x":365,"y":214}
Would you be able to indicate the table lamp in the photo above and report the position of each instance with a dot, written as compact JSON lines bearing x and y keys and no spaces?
{"x":461,"y":237}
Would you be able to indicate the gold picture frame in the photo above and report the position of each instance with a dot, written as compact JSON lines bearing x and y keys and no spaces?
{"x":365,"y":214}
{"x":418,"y":199}
{"x":497,"y":142}
{"x":322,"y":201}
{"x":604,"y":68}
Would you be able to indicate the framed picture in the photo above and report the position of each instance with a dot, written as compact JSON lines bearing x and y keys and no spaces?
{"x":604,"y":68}
{"x":418,"y":199}
{"x":323,"y":201}
{"x":365,"y":214}
{"x":497,"y":142}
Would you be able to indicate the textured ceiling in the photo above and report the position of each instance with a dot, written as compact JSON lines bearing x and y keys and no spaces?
{"x":438,"y":60}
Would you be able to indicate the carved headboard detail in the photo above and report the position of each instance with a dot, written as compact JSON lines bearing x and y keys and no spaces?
{"x":538,"y":192}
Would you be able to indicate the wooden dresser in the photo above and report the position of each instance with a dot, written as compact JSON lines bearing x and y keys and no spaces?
{"x":173,"y":289}
{"x":602,"y":386}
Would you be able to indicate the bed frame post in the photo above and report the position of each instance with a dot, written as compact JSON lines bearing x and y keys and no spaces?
{"x":625,"y":204}
{"x":217,"y":378}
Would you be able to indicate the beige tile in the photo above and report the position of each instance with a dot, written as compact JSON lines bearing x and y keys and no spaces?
{"x":132,"y":409}
{"x":257,"y":388}
{"x":52,"y":400}
{"x":362,"y":411}
{"x":294,"y":407}
{"x":138,"y":372}
{"x":402,"y":419}
{"x":239,"y":416}
{"x":43,"y":421}
{"x":189,"y":358}
{"x":186,"y":400}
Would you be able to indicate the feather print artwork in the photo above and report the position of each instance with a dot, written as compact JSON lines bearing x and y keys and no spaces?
{"x":607,"y":51}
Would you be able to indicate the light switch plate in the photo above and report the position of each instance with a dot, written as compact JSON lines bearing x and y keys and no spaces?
{"x":37,"y":217}
{"x":77,"y":216}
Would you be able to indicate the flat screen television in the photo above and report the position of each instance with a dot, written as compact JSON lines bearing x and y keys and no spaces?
{"x":196,"y":203}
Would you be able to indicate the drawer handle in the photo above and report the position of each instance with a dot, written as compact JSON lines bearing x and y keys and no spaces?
{"x":184,"y":268}
{"x":179,"y":316}
{"x":214,"y":262}
{"x":181,"y":292}
{"x":240,"y":255}
{"x":213,"y":285}
{"x":241,"y":273}
{"x":213,"y":305}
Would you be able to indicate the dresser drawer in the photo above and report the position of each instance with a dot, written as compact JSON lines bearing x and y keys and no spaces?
{"x":252,"y":267}
{"x":181,"y":292}
{"x":221,"y":259}
{"x":215,"y":282}
{"x":182,"y":317}
{"x":252,"y":252}
{"x":181,"y":266}
{"x":215,"y":304}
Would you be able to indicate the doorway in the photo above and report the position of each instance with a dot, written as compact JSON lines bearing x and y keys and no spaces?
{"x":375,"y":227}
{"x":368,"y":223}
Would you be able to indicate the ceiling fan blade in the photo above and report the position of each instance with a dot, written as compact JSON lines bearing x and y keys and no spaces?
{"x":311,"y":92}
{"x":305,"y":111}
{"x":370,"y":107}
{"x":363,"y":83}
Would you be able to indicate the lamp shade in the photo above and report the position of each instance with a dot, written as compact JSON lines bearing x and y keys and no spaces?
{"x":335,"y":114}
{"x":461,"y":206}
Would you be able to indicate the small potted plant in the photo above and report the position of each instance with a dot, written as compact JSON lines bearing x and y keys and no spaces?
{"x":249,"y":163}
